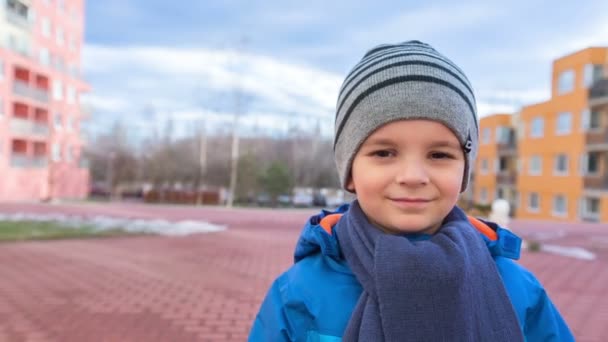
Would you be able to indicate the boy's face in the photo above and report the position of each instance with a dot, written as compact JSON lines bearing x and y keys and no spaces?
{"x":407,"y":176}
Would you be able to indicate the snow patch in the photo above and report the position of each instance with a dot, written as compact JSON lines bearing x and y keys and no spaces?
{"x":102,"y":223}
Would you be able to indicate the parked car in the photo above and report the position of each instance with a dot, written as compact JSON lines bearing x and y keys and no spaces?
{"x":302,"y":200}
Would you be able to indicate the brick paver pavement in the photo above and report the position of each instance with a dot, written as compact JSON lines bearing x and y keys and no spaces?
{"x":204,"y":287}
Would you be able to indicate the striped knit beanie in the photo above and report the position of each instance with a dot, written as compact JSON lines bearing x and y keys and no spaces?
{"x":410,"y":80}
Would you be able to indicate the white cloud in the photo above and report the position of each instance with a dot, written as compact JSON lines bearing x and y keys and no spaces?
{"x":582,"y":37}
{"x":104,"y":103}
{"x":485,"y":108}
{"x":128,"y":79}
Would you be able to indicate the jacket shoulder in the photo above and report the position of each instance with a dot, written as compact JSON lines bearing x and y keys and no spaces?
{"x":539,"y":318}
{"x":309,"y":285}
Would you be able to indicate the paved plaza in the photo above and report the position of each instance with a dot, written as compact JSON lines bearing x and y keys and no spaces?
{"x":207,"y":287}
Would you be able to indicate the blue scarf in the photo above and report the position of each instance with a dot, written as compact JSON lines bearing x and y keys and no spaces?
{"x":446,"y":288}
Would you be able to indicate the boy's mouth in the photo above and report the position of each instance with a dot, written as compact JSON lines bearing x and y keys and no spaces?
{"x":411,"y":203}
{"x":410,"y":200}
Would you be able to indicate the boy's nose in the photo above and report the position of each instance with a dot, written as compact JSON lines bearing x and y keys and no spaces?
{"x":412,"y":173}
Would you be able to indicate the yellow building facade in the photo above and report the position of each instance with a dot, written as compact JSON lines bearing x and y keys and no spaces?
{"x":550,"y":160}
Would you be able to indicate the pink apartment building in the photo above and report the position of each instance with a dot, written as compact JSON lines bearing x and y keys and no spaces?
{"x":40,"y":113}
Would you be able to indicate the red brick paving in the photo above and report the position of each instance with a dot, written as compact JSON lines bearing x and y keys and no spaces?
{"x":206,"y":287}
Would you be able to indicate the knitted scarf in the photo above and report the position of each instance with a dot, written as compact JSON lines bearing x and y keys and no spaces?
{"x":446,"y":288}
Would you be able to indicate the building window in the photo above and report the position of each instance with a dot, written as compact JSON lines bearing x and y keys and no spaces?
{"x":500,"y":193}
{"x":59,"y":63}
{"x":71,"y":94}
{"x":520,"y":165}
{"x":58,"y":121}
{"x":521,"y":130}
{"x":536,"y":166}
{"x":503,"y":135}
{"x":74,"y":15}
{"x":560,"y":206}
{"x":69,"y":155}
{"x":503,"y":164}
{"x":564,"y":123}
{"x":56,"y":152}
{"x":591,"y":73}
{"x":17,"y":8}
{"x":533,"y":202}
{"x":538,"y":128}
{"x":483,"y":196}
{"x":72,"y":43}
{"x":594,"y":120}
{"x":45,"y":27}
{"x":560,"y":165}
{"x":591,"y":207}
{"x":57,"y":90}
{"x":565,"y":82}
{"x":484,"y":166}
{"x":486,"y":136}
{"x":590,"y":163}
{"x":45,"y":57}
{"x":590,"y":120}
{"x":59,"y":38}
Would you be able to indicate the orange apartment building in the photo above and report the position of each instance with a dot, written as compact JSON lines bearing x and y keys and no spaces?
{"x":495,"y":170}
{"x":40,"y":113}
{"x":554,"y":152}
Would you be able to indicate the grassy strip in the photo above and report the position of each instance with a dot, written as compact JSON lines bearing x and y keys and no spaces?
{"x":35,"y":230}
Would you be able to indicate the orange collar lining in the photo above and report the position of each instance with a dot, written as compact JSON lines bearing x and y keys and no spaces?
{"x":329,"y":221}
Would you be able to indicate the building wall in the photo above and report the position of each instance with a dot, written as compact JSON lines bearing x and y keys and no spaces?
{"x":549,"y":184}
{"x":55,"y":33}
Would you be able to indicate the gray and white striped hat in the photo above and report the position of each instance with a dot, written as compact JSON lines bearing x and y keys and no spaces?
{"x":410,"y":80}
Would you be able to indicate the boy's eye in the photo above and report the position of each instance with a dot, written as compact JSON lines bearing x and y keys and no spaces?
{"x":382,"y":153}
{"x":441,"y":155}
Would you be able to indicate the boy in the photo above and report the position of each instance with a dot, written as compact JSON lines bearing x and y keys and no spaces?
{"x":403,"y":262}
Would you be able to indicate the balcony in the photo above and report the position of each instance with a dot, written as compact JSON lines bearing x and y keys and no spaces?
{"x":598,"y":93}
{"x":23,"y":89}
{"x":26,"y":127}
{"x":18,"y":19}
{"x":19,"y":160}
{"x":506,"y":178}
{"x":597,"y":183}
{"x":83,"y":163}
{"x":597,"y":141}
{"x":509,"y":149}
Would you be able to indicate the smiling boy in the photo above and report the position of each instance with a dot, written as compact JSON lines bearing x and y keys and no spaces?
{"x":403,"y":262}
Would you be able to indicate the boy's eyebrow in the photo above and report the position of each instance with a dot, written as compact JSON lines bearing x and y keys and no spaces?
{"x":433,"y":144}
{"x":444,"y":143}
{"x":380,"y":141}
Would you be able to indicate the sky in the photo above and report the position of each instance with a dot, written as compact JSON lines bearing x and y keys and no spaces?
{"x":279,"y":64}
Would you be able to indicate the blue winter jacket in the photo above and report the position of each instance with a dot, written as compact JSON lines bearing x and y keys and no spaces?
{"x":314,"y":299}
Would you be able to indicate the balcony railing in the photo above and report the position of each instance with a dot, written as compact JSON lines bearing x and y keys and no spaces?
{"x":19,"y":160}
{"x":17,"y":19}
{"x":598,"y":93}
{"x":508,"y":149}
{"x":506,"y":177}
{"x":596,"y":182}
{"x":23,"y":89}
{"x":28,"y":128}
{"x":597,"y":140}
{"x":83,"y":163}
